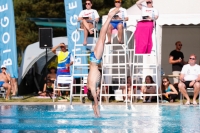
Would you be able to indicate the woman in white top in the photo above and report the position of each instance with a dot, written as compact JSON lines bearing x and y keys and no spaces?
{"x":144,"y":30}
{"x":85,"y":17}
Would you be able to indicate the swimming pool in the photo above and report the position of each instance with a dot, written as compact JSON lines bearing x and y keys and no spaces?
{"x":114,"y":119}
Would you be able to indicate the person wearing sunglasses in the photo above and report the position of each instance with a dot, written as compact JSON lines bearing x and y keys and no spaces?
{"x":148,"y":89}
{"x":87,"y":17}
{"x":168,"y":90}
{"x":144,"y":28}
{"x":189,"y":78}
{"x":117,"y":22}
{"x":65,"y":60}
{"x":176,"y":58}
{"x":4,"y":81}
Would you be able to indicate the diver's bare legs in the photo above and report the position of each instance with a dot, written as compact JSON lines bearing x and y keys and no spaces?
{"x":94,"y":74}
{"x":93,"y":78}
{"x":98,"y":50}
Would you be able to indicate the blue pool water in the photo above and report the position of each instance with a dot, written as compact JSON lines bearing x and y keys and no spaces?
{"x":114,"y":119}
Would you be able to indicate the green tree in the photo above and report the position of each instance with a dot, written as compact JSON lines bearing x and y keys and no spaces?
{"x":103,"y":6}
{"x":27,"y":31}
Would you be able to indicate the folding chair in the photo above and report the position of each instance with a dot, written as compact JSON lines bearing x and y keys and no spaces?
{"x":64,"y":80}
{"x":188,"y":90}
{"x":95,"y":29}
{"x":84,"y":81}
{"x":3,"y":92}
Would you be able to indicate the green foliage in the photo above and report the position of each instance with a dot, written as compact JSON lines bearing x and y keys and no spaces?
{"x":27,"y":31}
{"x":103,"y":6}
{"x":19,"y":60}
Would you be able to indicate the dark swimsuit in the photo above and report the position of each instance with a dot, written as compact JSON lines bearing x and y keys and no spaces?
{"x":49,"y":89}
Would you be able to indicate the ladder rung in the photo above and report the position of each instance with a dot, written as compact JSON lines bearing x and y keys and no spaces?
{"x":146,"y":94}
{"x":141,"y":56}
{"x":114,"y":54}
{"x":79,"y":94}
{"x":118,"y":77}
{"x":114,"y":45}
{"x":79,"y":84}
{"x":81,"y":65}
{"x":120,"y":50}
{"x":116,"y":67}
{"x":145,"y":74}
{"x":144,"y":64}
{"x":113,"y":74}
{"x":144,"y":84}
{"x":132,"y":94}
{"x":146,"y":67}
{"x":84,"y":45}
{"x":80,"y":68}
{"x":119,"y":64}
{"x":113,"y":94}
{"x":80,"y":74}
{"x":113,"y":84}
{"x":81,"y":54}
{"x":62,"y":89}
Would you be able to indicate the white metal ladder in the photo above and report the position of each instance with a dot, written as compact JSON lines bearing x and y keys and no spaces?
{"x":78,"y":65}
{"x":143,"y":65}
{"x":123,"y":64}
{"x":110,"y":70}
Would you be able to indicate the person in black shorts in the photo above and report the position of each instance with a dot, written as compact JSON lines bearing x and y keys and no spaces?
{"x":189,"y":78}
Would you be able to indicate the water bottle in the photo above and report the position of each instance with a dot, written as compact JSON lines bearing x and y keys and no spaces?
{"x":123,"y":15}
{"x":162,"y":72}
{"x":93,"y":17}
{"x":153,"y":16}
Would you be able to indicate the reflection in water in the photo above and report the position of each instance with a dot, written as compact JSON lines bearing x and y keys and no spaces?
{"x":8,"y":111}
{"x":114,"y":119}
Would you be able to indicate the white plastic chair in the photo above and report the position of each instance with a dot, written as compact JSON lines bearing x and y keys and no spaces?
{"x":188,"y":90}
{"x":84,"y":81}
{"x":67,"y":80}
{"x":3,"y":92}
{"x":95,"y":29}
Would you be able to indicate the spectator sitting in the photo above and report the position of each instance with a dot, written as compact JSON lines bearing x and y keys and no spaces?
{"x":48,"y":88}
{"x":128,"y":89}
{"x":168,"y":90}
{"x":4,"y":81}
{"x":144,"y":28}
{"x":85,"y":16}
{"x":189,"y":78}
{"x":52,"y":75}
{"x":117,"y":24}
{"x":148,"y":89}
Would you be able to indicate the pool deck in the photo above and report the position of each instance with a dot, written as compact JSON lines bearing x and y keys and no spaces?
{"x":79,"y":103}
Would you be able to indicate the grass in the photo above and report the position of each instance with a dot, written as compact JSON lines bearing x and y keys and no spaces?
{"x":32,"y":98}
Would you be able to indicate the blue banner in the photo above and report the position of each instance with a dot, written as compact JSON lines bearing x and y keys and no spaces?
{"x":8,"y":45}
{"x":72,"y":10}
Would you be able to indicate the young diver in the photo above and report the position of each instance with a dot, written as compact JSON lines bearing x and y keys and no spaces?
{"x":95,"y":60}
